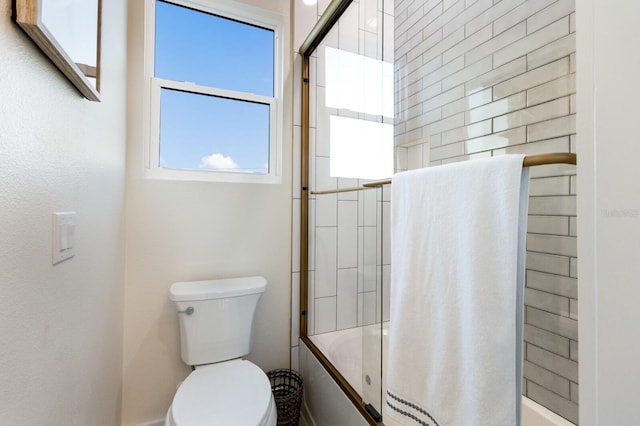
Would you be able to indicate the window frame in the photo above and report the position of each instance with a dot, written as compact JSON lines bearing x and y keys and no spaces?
{"x":238,"y":12}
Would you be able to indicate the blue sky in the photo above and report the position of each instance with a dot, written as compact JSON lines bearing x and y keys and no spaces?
{"x":199,"y":131}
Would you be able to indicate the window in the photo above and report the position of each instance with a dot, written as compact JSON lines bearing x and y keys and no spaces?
{"x":214,"y":91}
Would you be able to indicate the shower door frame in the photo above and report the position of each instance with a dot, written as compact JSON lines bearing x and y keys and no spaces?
{"x":326,"y":22}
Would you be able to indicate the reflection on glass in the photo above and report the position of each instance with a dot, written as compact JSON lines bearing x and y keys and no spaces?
{"x":360,"y":149}
{"x":358,"y":83}
{"x":208,"y":132}
{"x":74,"y":25}
{"x":210,"y":50}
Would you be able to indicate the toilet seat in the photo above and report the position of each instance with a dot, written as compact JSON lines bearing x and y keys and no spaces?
{"x":228,"y":393}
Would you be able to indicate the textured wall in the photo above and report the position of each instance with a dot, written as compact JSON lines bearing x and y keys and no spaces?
{"x":61,"y":326}
{"x":184,"y":230}
{"x":477,"y":78}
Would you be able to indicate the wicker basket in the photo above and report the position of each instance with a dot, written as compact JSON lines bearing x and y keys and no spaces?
{"x":287,"y":389}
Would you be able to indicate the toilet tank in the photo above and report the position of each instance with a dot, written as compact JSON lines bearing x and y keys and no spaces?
{"x":216,"y":317}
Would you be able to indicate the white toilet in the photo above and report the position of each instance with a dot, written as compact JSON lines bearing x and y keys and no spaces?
{"x":216,"y":322}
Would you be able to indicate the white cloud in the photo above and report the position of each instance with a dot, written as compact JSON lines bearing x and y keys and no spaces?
{"x":217,"y":161}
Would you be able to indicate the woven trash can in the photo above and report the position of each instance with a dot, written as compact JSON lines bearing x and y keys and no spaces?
{"x":287,"y":389}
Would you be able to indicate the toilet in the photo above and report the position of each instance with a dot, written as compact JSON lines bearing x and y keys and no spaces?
{"x":216,"y":322}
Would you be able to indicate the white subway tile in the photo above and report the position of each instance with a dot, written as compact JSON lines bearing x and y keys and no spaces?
{"x":572,"y":22}
{"x":426,"y":155}
{"x":295,"y":235}
{"x":428,"y":17}
{"x":575,"y":392}
{"x":558,"y":185}
{"x":443,"y":99}
{"x":552,"y":225}
{"x":572,"y":62}
{"x":552,"y":244}
{"x":323,"y":181}
{"x":573,"y":226}
{"x":327,"y":210}
{"x":573,"y":267}
{"x":325,"y":314}
{"x":442,"y":20}
{"x":497,"y":140}
{"x":460,"y":20}
{"x":561,"y":126}
{"x":369,"y":208}
{"x":467,"y":73}
{"x":466,"y":103}
{"x":560,"y":48}
{"x":369,"y":305}
{"x":498,"y":9}
{"x":444,"y":71}
{"x":424,"y":119}
{"x":519,"y":14}
{"x":494,"y":109}
{"x":444,"y":124}
{"x":535,"y":114}
{"x":447,"y":151}
{"x":532,"y":78}
{"x":553,"y":205}
{"x":326,"y":240}
{"x":347,"y":234}
{"x":546,"y":340}
{"x":296,"y":148}
{"x":551,"y":264}
{"x":557,"y":324}
{"x":427,"y":49}
{"x":415,"y":157}
{"x":552,"y":362}
{"x":553,"y":89}
{"x":572,"y":103}
{"x":311,"y":303}
{"x":348,"y":31}
{"x":558,"y":305}
{"x":295,"y":308}
{"x":496,"y":75}
{"x":477,"y":156}
{"x":347,"y":300}
{"x":312,"y":235}
{"x":533,"y":41}
{"x":498,"y":42}
{"x":467,"y":132}
{"x":554,"y":12}
{"x":573,"y":345}
{"x":468,"y":43}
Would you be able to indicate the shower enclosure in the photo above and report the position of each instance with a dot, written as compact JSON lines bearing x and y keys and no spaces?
{"x":391,"y":87}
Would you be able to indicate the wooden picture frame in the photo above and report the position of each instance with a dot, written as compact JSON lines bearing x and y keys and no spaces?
{"x":29,"y":15}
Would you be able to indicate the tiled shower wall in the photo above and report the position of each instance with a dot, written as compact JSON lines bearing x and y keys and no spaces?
{"x":347,"y":264}
{"x":476,"y":78}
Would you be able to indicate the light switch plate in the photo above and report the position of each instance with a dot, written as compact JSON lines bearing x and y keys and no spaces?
{"x":64,"y":231}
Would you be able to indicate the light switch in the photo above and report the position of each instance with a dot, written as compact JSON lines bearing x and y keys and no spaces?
{"x":64,"y":231}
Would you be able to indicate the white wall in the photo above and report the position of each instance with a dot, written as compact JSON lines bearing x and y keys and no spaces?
{"x":61,"y":326}
{"x":180,"y":231}
{"x":608,"y":210}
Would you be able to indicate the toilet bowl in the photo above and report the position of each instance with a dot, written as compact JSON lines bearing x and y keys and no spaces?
{"x":216,"y":322}
{"x":228,"y":393}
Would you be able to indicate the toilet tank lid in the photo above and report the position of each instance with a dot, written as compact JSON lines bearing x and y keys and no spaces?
{"x":216,"y":289}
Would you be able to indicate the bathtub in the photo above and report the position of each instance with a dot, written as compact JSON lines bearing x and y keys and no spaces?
{"x":344,"y":349}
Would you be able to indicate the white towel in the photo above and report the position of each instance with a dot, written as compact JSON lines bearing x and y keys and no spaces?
{"x":457,"y":272}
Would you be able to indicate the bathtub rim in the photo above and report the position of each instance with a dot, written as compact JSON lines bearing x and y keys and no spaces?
{"x":342,"y":383}
{"x":538,"y":414}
